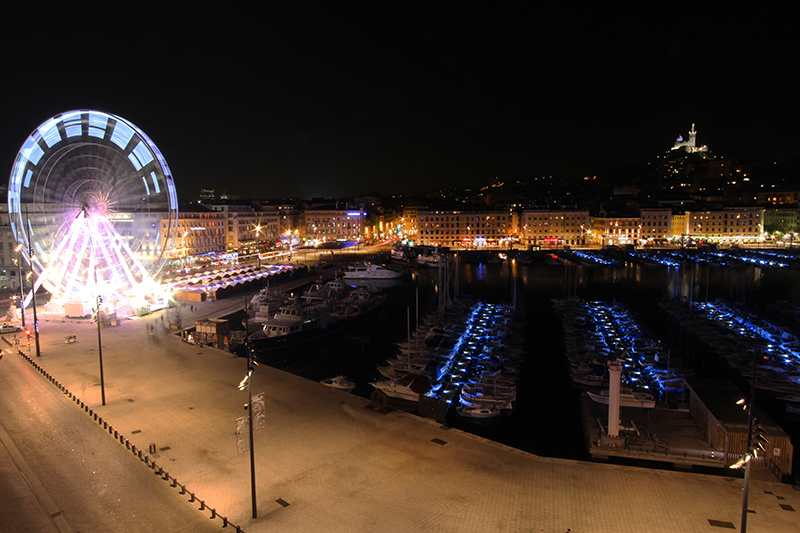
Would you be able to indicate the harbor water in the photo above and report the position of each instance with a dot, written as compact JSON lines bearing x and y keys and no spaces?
{"x":546,"y":416}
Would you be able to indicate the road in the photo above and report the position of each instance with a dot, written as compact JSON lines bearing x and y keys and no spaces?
{"x":80,"y":478}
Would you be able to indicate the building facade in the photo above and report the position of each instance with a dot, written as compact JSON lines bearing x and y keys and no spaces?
{"x":198,"y":232}
{"x":656,"y":225}
{"x":616,"y":230}
{"x":727,"y":225}
{"x":247,"y":229}
{"x":328,"y":224}
{"x":545,"y":227}
{"x":468,"y":229}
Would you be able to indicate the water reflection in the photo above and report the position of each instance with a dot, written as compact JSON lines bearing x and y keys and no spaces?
{"x":739,"y":284}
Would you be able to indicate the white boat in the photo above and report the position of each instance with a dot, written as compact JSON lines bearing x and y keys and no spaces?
{"x":627,"y":398}
{"x":486,"y":411}
{"x":433,"y":260}
{"x":295,"y":324}
{"x":408,"y":387}
{"x":265,"y":295}
{"x":339,"y":383}
{"x":370,"y":271}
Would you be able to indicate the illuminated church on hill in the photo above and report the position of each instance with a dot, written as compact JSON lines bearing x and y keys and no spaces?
{"x":691,"y":144}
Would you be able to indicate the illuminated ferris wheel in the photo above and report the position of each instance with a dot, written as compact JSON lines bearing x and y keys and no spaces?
{"x":92,"y":203}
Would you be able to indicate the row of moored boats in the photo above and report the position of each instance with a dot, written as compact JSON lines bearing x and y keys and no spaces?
{"x":742,"y":338}
{"x":469,"y":358}
{"x":597,"y":333}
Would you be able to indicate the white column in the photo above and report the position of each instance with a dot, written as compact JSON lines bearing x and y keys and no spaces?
{"x":615,"y":369}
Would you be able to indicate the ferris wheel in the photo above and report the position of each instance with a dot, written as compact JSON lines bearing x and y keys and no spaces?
{"x":92,"y":203}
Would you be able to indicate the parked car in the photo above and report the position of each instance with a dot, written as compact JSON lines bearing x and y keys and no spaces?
{"x":9,"y":328}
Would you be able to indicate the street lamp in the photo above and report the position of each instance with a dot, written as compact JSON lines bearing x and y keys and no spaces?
{"x":751,"y":452}
{"x":247,"y":383}
{"x":185,"y":251}
{"x":33,"y":290}
{"x":18,"y":249}
{"x":100,"y":340}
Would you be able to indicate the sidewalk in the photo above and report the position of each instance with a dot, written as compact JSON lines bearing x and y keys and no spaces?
{"x":327,"y":461}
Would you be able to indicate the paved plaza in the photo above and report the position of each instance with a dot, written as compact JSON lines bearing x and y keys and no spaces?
{"x":326,"y":460}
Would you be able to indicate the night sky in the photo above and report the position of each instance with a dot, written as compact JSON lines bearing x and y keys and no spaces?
{"x":328,"y":101}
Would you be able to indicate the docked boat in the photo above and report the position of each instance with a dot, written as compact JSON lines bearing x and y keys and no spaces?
{"x":432,"y":260}
{"x":339,"y":383}
{"x":370,"y":271}
{"x":478,"y":412}
{"x":408,"y":387}
{"x":358,"y":306}
{"x":293,"y":325}
{"x":627,"y":398}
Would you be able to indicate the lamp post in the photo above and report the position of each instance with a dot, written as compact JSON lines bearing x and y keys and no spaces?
{"x":258,"y":243}
{"x":247,"y":383}
{"x":18,"y":249}
{"x":751,"y":451}
{"x":100,"y":341}
{"x":33,"y":291}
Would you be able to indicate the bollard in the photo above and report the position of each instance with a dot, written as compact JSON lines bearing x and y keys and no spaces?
{"x":192,"y":497}
{"x":153,"y":447}
{"x":174,"y":482}
{"x":183,"y":489}
{"x":224,"y":521}
{"x":213,"y":514}
{"x":116,"y":435}
{"x":127,"y":444}
{"x":202,"y":505}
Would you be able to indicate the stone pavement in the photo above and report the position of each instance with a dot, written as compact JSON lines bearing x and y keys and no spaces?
{"x":327,"y":461}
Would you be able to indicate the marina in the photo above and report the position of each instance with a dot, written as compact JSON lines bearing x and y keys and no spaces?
{"x":467,"y":359}
{"x":442,"y":365}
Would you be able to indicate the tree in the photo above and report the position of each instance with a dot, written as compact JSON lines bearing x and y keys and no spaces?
{"x":176,"y":320}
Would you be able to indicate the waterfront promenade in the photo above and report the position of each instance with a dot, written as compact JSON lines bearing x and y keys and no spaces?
{"x":326,"y":461}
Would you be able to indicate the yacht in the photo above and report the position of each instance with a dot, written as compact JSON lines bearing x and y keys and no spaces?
{"x":339,"y":383}
{"x":408,"y":387}
{"x":295,"y":324}
{"x":370,"y":271}
{"x":627,"y":398}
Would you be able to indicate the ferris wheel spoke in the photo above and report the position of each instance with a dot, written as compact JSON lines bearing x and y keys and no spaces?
{"x":67,"y":255}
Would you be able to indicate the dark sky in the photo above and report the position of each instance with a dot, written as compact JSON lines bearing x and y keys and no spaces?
{"x":330,"y":101}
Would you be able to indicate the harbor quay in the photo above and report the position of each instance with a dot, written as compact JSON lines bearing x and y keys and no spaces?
{"x":327,"y":460}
